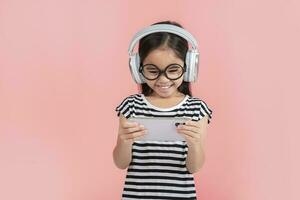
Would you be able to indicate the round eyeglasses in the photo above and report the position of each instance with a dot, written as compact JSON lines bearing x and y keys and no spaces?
{"x":151,"y":72}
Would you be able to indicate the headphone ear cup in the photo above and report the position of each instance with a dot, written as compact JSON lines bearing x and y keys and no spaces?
{"x":194,"y":64}
{"x":134,"y":64}
{"x":191,"y":66}
{"x":187,"y":76}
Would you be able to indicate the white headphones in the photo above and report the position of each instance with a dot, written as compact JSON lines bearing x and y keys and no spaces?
{"x":192,"y":55}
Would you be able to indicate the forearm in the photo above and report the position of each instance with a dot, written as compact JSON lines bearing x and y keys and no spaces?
{"x":122,"y":154}
{"x":195,"y":158}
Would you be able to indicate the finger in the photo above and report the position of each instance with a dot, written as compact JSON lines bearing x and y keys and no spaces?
{"x":193,"y":123}
{"x":134,"y":135}
{"x":189,"y":128}
{"x":187,"y":137}
{"x":134,"y":129}
{"x":129,"y":136}
{"x":128,"y":124}
{"x":190,"y":133}
{"x":139,"y":137}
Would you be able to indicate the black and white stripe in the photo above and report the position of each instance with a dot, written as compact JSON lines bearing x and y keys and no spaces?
{"x":158,"y":168}
{"x":193,"y":108}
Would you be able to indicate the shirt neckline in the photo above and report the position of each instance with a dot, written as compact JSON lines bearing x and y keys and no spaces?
{"x":164,"y":109}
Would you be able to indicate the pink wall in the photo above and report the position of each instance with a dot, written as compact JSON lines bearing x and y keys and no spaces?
{"x":64,"y":68}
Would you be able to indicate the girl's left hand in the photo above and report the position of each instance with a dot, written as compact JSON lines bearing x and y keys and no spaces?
{"x":194,"y":131}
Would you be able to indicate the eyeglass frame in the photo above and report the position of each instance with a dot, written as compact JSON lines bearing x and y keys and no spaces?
{"x":163,"y":71}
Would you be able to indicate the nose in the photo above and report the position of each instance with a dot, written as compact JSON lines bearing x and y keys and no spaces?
{"x":163,"y":78}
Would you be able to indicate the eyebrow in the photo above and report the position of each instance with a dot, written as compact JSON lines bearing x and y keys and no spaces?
{"x":165,"y":66}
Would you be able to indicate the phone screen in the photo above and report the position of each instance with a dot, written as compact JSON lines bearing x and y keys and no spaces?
{"x":160,"y":128}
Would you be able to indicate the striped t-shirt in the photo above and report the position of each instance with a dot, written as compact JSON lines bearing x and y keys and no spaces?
{"x":158,"y":168}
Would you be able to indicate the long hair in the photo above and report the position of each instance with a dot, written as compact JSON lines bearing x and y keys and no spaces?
{"x":164,"y":39}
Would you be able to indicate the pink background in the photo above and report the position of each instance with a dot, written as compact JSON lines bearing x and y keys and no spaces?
{"x":64,"y":68}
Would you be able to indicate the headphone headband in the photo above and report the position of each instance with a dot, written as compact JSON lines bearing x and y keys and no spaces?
{"x":163,"y":28}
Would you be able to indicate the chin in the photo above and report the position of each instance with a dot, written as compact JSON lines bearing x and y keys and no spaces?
{"x":165,"y":94}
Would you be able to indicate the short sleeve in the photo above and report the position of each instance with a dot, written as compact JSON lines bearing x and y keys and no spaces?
{"x":125,"y":107}
{"x":205,"y":111}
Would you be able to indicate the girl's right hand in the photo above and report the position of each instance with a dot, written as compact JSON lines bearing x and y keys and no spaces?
{"x":130,"y":131}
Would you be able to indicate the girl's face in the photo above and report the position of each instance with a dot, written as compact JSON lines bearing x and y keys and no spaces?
{"x":162,"y":86}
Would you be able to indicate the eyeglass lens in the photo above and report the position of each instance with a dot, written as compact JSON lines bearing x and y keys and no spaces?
{"x":151,"y":72}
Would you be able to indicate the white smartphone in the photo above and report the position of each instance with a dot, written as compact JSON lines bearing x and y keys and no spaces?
{"x":161,"y":128}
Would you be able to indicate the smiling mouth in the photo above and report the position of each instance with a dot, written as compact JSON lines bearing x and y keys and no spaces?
{"x":164,"y":86}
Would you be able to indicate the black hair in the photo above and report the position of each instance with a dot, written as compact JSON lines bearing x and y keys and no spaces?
{"x":164,"y":39}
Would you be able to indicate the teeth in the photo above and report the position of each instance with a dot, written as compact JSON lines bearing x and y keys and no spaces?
{"x":164,"y":87}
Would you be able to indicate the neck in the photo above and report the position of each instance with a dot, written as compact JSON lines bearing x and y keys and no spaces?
{"x":175,"y":95}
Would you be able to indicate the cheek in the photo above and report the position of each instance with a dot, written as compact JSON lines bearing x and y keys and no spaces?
{"x":178,"y":82}
{"x":150,"y":83}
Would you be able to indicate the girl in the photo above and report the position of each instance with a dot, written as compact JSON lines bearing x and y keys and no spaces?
{"x":161,"y":169}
